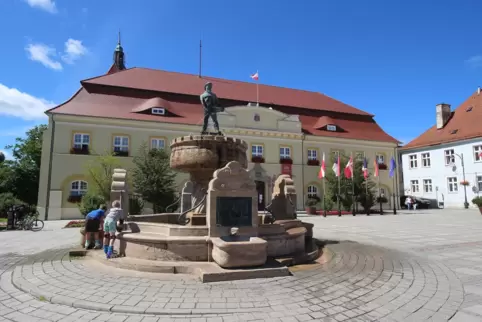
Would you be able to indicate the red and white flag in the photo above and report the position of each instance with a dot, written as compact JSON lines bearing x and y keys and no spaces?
{"x":255,"y":76}
{"x":349,"y":169}
{"x":336,"y":166}
{"x":322,"y":172}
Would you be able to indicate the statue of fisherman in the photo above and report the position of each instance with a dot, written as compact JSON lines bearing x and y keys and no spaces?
{"x":209,"y":100}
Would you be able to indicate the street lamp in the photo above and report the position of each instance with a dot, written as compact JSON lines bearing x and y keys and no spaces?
{"x":461,"y":157}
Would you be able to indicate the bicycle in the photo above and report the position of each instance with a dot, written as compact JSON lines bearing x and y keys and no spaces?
{"x":30,"y":221}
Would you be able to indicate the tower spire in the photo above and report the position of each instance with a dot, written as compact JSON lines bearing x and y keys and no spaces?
{"x":119,"y":56}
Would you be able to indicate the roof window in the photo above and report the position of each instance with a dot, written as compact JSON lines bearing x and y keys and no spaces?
{"x":469,"y":109}
{"x":158,"y":111}
{"x":331,"y":127}
{"x":454,"y":131}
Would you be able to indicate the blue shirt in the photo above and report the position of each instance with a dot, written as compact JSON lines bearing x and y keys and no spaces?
{"x":95,"y":214}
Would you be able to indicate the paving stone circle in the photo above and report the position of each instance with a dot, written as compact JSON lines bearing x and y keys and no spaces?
{"x":360,"y":283}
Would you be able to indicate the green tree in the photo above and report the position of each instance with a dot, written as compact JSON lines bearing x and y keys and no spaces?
{"x":356,"y":187}
{"x":21,"y":175}
{"x":153,"y":177}
{"x":99,"y":173}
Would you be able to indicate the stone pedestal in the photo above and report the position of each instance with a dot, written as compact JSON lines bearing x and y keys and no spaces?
{"x":239,"y":252}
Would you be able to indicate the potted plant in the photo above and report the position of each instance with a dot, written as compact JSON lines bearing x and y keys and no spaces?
{"x":257,"y":159}
{"x":314,"y":162}
{"x":311,"y":204}
{"x":478,"y":202}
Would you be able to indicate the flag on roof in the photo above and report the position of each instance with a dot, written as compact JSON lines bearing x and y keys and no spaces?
{"x":255,"y":76}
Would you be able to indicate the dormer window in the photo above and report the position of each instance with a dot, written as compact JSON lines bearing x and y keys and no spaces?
{"x":454,"y":131}
{"x":331,"y":127}
{"x":469,"y":109}
{"x":158,"y":111}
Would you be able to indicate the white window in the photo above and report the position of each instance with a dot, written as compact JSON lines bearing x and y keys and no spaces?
{"x":479,"y":183}
{"x":312,"y":191}
{"x":78,"y":188}
{"x":257,"y":150}
{"x":158,"y":111}
{"x":413,"y":161}
{"x":81,"y":141}
{"x":331,"y":128}
{"x":426,"y":160}
{"x":312,"y":154}
{"x":478,"y":153}
{"x":284,"y":152}
{"x":452,"y":184}
{"x":380,"y":159}
{"x":427,"y":185}
{"x":157,"y":143}
{"x":121,"y":144}
{"x":449,"y":156}
{"x":414,"y":186}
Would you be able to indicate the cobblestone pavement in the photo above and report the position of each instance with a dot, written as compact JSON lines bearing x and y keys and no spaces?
{"x":420,"y":273}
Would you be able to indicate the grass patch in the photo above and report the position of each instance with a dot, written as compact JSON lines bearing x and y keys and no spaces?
{"x":3,"y":219}
{"x":42,"y":298}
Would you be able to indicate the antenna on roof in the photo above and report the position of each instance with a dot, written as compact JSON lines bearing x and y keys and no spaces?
{"x":200,"y":57}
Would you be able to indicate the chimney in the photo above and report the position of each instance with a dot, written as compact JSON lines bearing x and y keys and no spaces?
{"x":443,"y":114}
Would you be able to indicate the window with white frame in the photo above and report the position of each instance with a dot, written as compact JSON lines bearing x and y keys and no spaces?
{"x":78,"y":188}
{"x":81,"y":141}
{"x":158,"y":143}
{"x":413,"y":161}
{"x":257,"y":150}
{"x":426,"y":160}
{"x":477,"y":153}
{"x":380,"y":159}
{"x":331,"y":128}
{"x":479,"y":183}
{"x":284,"y":152}
{"x":449,"y":156}
{"x":312,"y":154}
{"x":158,"y":111}
{"x":312,"y":191}
{"x":121,"y":144}
{"x":414,"y":186}
{"x":427,"y":185}
{"x":452,"y":184}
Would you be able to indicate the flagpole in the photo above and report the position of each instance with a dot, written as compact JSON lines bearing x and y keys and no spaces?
{"x":393,"y":165}
{"x":324,"y":196}
{"x":379,"y":193}
{"x":257,"y":89}
{"x":339,"y":188}
{"x":353,"y":183}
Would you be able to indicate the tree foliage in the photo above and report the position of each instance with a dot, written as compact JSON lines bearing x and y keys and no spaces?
{"x":99,"y":173}
{"x":20,"y":176}
{"x":153,"y":178}
{"x":361,"y":189}
{"x":90,"y":201}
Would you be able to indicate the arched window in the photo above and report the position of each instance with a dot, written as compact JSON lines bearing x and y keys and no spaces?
{"x":312,"y":191}
{"x":78,"y":188}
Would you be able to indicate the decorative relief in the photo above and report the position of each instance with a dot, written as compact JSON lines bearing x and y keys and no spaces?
{"x":232,"y":177}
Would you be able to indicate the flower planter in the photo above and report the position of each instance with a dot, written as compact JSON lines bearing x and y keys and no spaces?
{"x":79,"y":151}
{"x":257,"y":159}
{"x":382,"y":166}
{"x":464,"y":183}
{"x":314,"y":162}
{"x":74,"y":199}
{"x":311,"y":210}
{"x":286,"y":161}
{"x":121,"y":153}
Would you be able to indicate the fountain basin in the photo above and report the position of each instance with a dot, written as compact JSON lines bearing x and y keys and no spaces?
{"x":237,"y":252}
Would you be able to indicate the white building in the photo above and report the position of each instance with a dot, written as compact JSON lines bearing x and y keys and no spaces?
{"x":435,"y":163}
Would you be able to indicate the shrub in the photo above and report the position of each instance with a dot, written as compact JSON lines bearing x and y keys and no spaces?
{"x":382,"y":199}
{"x":367,"y":201}
{"x":311,"y":202}
{"x":477,"y":201}
{"x":7,"y":200}
{"x":90,"y":201}
{"x":329,"y":204}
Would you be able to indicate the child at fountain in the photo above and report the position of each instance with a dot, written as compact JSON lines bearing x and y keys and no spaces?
{"x":93,"y":223}
{"x":110,"y":227}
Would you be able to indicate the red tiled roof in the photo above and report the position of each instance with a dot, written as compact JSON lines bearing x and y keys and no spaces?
{"x":188,"y":84}
{"x":323,"y":121}
{"x":153,"y":102}
{"x":467,"y":123}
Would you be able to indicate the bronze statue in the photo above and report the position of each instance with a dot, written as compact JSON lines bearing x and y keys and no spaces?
{"x":209,"y":100}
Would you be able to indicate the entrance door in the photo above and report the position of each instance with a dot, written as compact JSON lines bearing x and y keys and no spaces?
{"x":261,"y":197}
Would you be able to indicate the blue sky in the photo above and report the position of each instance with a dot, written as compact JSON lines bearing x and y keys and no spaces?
{"x":396,"y":59}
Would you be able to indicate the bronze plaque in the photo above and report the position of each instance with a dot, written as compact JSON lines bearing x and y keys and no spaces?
{"x":234,"y":211}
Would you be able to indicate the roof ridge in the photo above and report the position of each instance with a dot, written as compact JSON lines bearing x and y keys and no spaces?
{"x":67,"y":101}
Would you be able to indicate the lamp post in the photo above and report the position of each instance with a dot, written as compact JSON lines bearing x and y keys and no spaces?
{"x":461,"y":157}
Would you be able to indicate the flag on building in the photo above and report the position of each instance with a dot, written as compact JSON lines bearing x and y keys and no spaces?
{"x":255,"y":76}
{"x":364,"y":168}
{"x":375,"y":165}
{"x":349,"y":169}
{"x":321,"y":174}
{"x":393,"y":166}
{"x":336,"y":166}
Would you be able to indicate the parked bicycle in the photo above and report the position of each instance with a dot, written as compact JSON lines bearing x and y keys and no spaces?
{"x":27,"y":219}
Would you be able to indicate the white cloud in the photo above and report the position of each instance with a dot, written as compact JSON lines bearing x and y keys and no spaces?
{"x":475,"y":61}
{"x":73,"y":51}
{"x":8,"y":155}
{"x":22,"y":105}
{"x":44,"y":55}
{"x":47,"y":5}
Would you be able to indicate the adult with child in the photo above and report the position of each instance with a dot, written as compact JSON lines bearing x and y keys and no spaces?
{"x":110,"y":227}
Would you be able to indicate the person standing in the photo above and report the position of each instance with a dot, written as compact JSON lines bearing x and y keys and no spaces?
{"x":93,"y":223}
